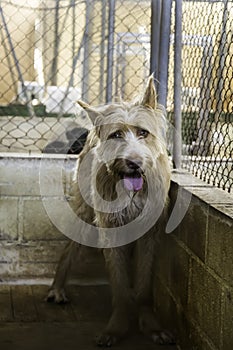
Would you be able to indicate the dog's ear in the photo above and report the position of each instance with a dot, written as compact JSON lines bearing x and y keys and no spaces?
{"x":150,"y":98}
{"x":92,"y":113}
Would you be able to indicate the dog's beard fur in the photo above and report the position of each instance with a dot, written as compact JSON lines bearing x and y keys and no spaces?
{"x":110,"y":185}
{"x":123,"y":160}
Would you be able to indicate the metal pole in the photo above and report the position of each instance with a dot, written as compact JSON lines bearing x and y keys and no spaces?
{"x":111,"y":24}
{"x":56,"y":45}
{"x":123,"y":69}
{"x":164,"y":52}
{"x":102,"y":50}
{"x":222,"y":57}
{"x":156,"y":10}
{"x":177,"y":138}
{"x":73,"y":37}
{"x":86,"y":56}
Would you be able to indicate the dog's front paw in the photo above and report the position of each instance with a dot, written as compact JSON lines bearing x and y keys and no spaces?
{"x":162,"y":338}
{"x":150,"y":327}
{"x":57,"y":296}
{"x":116,"y":329}
{"x":106,"y":340}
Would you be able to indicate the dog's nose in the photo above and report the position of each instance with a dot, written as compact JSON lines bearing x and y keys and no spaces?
{"x":133,"y":164}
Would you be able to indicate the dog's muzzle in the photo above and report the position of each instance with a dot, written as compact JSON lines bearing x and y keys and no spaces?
{"x":132,"y":178}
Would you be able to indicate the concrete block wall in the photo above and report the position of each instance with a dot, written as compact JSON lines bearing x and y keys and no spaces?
{"x":193,"y":285}
{"x":30,"y":244}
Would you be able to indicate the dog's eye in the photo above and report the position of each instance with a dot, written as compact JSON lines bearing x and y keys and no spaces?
{"x":116,"y":135}
{"x":142,"y":133}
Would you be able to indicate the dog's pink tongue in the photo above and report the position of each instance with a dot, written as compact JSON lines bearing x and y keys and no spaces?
{"x":133,"y":183}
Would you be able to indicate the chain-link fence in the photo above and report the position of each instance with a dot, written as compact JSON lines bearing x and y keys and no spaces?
{"x":57,"y":51}
{"x":206,"y":90}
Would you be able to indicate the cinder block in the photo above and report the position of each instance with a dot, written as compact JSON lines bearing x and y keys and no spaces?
{"x":9,"y":260}
{"x":179,"y":274}
{"x":8,"y":253}
{"x":220,"y":245}
{"x":20,"y":176}
{"x":228,"y":320}
{"x":162,"y":267}
{"x":34,"y":176}
{"x":13,"y":266}
{"x":174,"y":188}
{"x":55,"y":176}
{"x":193,"y":228}
{"x":69,"y":169}
{"x":197,"y":340}
{"x":172,"y":267}
{"x":211,"y":194}
{"x":226,"y":209}
{"x":41,"y":258}
{"x":205,"y":302}
{"x":8,"y":218}
{"x":32,"y":270}
{"x":41,"y":252}
{"x":36,"y":222}
{"x":164,"y":306}
{"x":173,"y":317}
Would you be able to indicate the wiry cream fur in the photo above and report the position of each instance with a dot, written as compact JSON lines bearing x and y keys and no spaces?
{"x":107,"y":163}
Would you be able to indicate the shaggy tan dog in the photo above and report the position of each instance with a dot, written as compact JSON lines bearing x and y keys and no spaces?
{"x":121,"y":187}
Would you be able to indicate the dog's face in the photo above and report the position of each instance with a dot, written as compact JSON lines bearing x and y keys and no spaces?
{"x":131,"y":137}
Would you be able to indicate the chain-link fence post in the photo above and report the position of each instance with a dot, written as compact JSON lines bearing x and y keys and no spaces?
{"x":177,"y":139}
{"x":110,"y":53}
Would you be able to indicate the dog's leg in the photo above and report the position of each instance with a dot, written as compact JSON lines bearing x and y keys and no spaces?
{"x":57,"y":290}
{"x":143,"y":287}
{"x":117,"y":264}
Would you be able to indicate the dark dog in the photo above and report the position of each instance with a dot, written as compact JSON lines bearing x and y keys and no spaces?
{"x":76,"y":139}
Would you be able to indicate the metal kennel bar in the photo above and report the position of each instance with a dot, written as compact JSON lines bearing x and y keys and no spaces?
{"x":177,"y":136}
{"x":110,"y":58}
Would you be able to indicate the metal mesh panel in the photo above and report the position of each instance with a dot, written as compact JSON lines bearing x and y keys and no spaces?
{"x":207,"y":90}
{"x":58,"y":51}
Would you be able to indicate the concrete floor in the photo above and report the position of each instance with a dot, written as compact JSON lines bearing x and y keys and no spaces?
{"x":27,"y":322}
